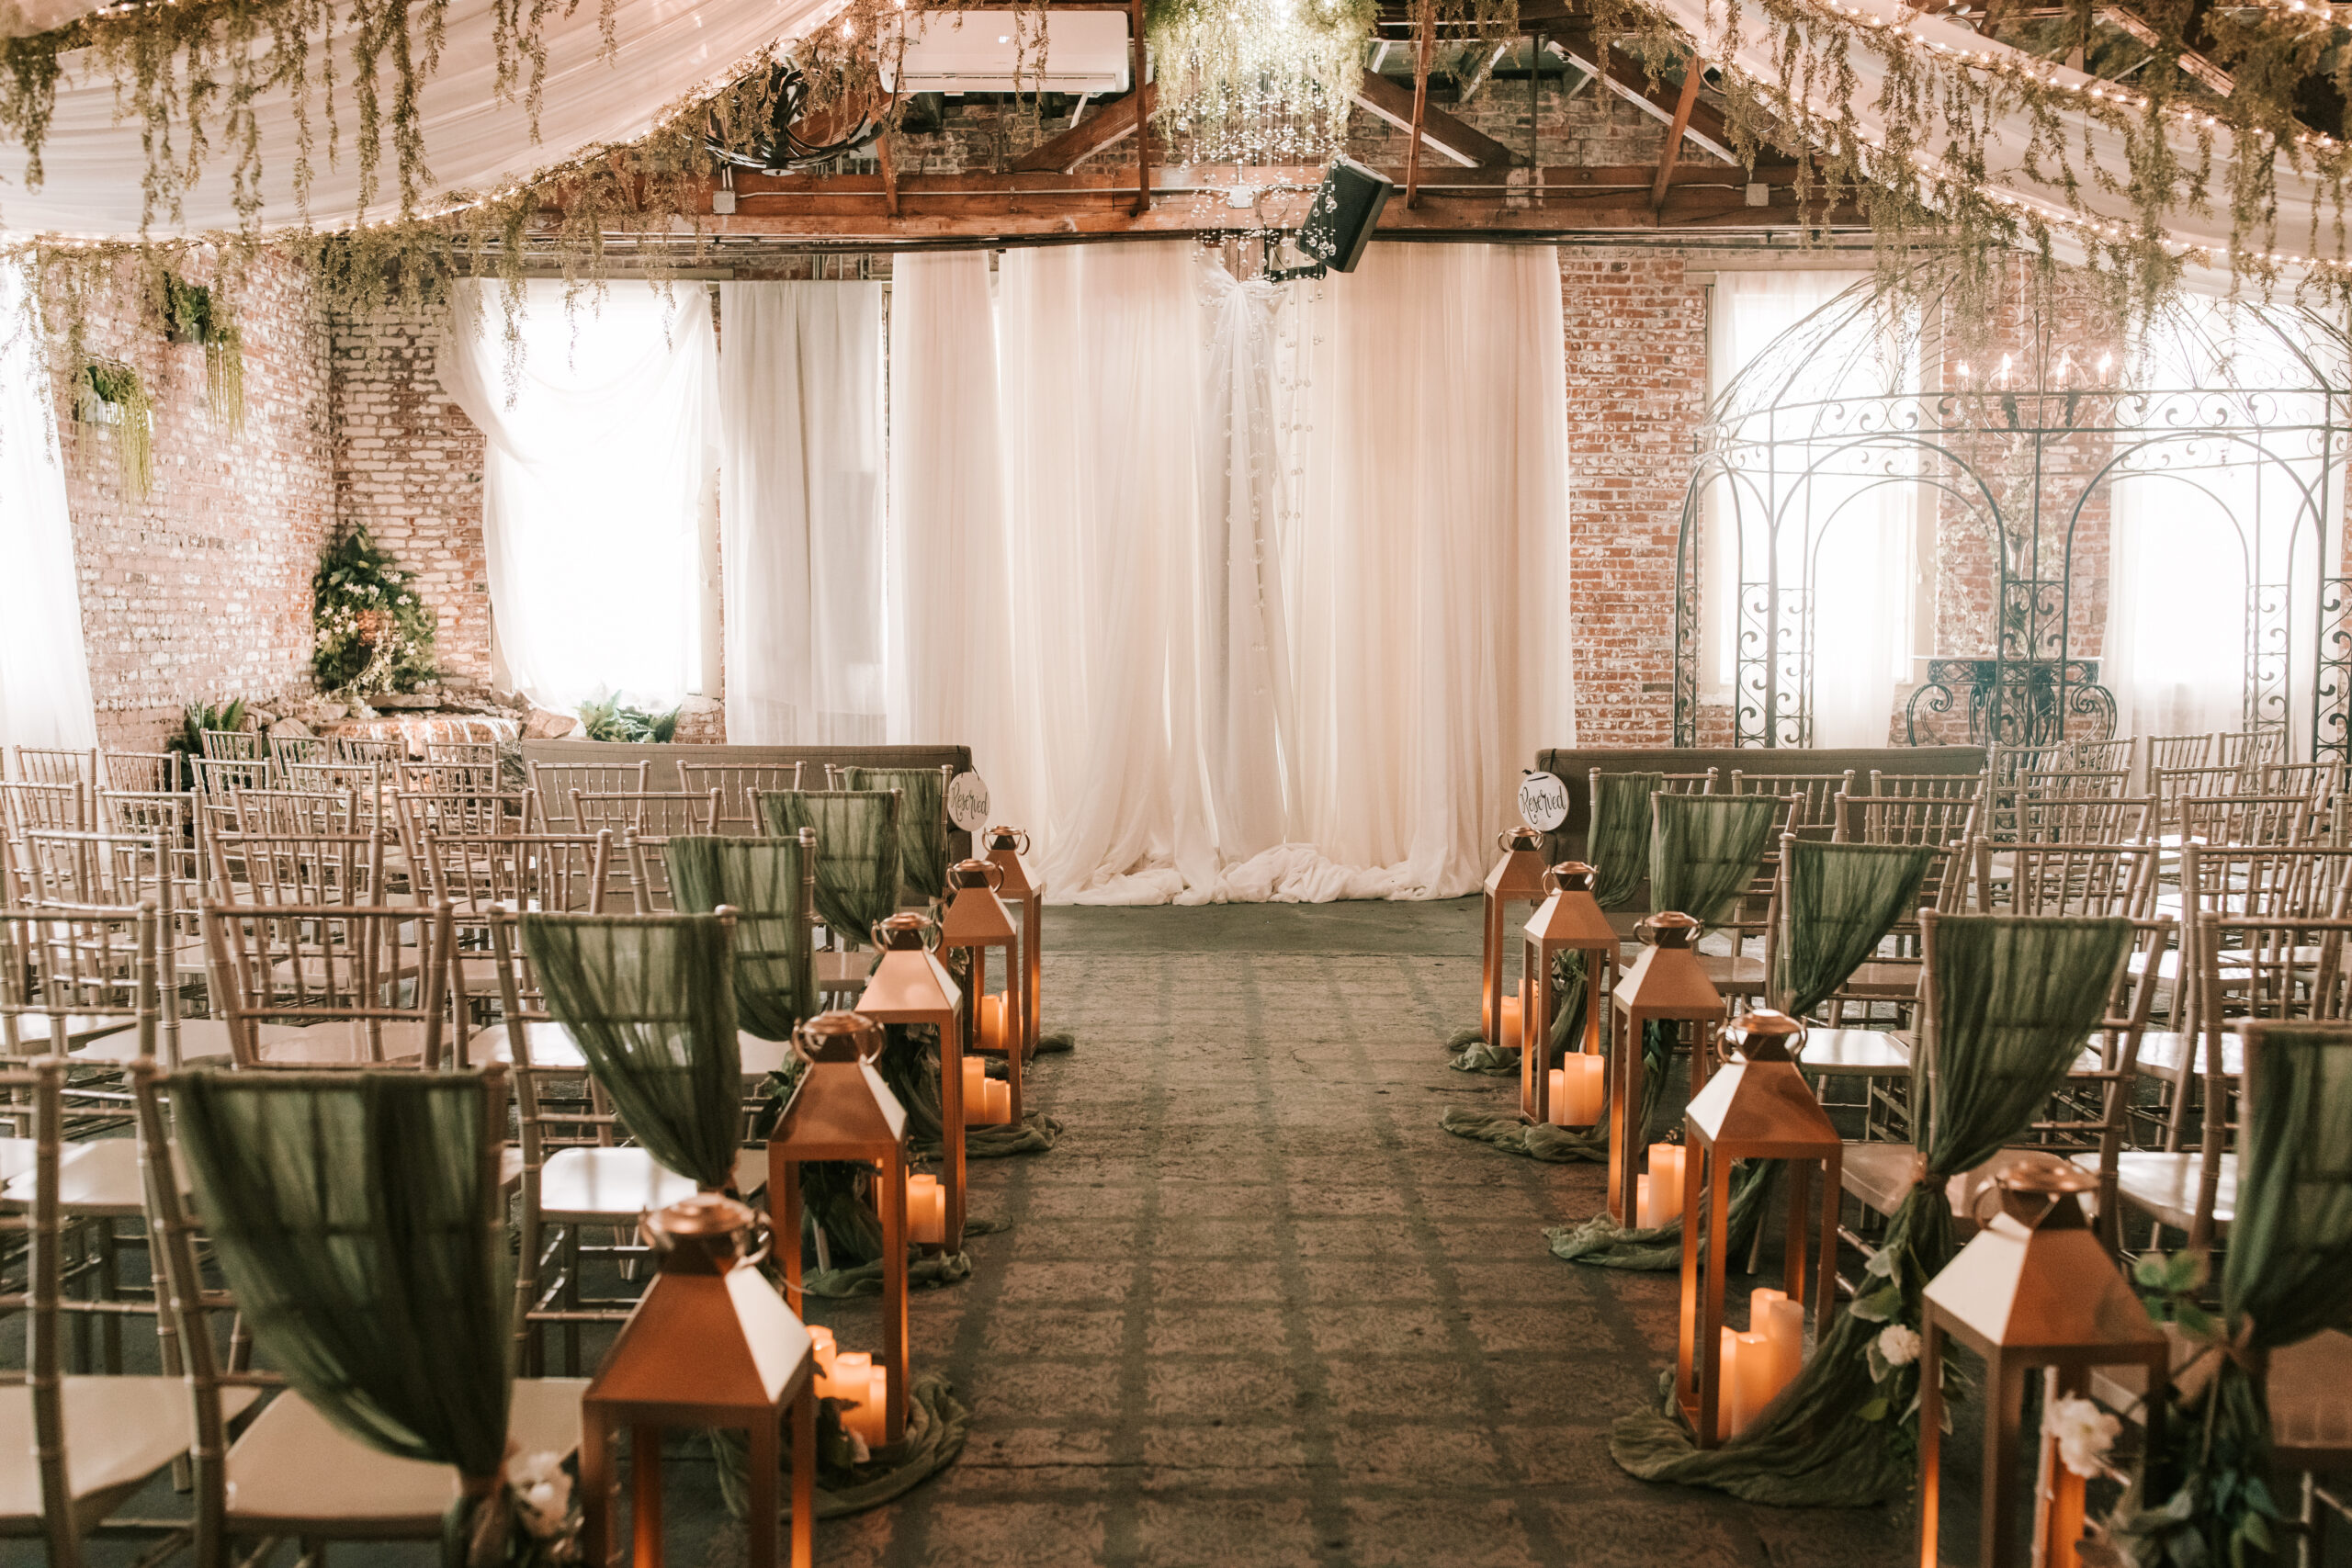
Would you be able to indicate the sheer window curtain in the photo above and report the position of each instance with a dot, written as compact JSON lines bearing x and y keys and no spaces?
{"x":1860,"y":538}
{"x":801,"y":512}
{"x":1275,"y":632}
{"x":44,"y":664}
{"x":600,"y":475}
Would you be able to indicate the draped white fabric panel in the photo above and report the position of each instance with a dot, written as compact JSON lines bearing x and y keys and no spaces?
{"x":44,"y":664}
{"x":668,"y":52}
{"x":600,"y":471}
{"x":1287,"y":566}
{"x":801,"y":513}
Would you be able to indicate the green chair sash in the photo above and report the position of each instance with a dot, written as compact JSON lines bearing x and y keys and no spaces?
{"x":358,"y":1228}
{"x":776,"y":964}
{"x":651,"y":1003}
{"x":922,"y":822}
{"x":1705,"y":850}
{"x":1842,"y":900}
{"x":857,"y":852}
{"x":1620,"y":834}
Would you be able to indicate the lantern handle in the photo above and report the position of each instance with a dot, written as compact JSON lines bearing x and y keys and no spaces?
{"x":996,"y":876}
{"x":1976,"y":1202}
{"x":1503,"y":840}
{"x":1020,"y":836}
{"x":764,"y":1229}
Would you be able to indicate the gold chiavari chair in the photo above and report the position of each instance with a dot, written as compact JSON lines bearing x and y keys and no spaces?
{"x":2104,"y":756}
{"x":738,"y":786}
{"x":139,"y":772}
{"x":554,"y":783}
{"x":462,"y":753}
{"x":450,"y":778}
{"x":295,"y":870}
{"x":331,"y":985}
{"x":2174,"y":751}
{"x":54,"y":764}
{"x":462,"y":812}
{"x":2247,"y":819}
{"x":650,"y":818}
{"x":26,"y":807}
{"x":1816,"y":814}
{"x":216,"y":776}
{"x":384,"y":752}
{"x":2088,"y":880}
{"x":301,"y":813}
{"x":234,"y":746}
{"x":2249,"y":750}
{"x":288,"y":749}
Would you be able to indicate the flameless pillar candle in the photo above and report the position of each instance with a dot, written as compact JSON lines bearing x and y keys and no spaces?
{"x":1781,"y":1322}
{"x":821,"y":1340}
{"x":992,"y":1021}
{"x":858,"y":1378}
{"x":1511,"y":1024}
{"x":1660,"y":1202}
{"x":1752,"y":1389}
{"x":926,"y":1210}
{"x":1577,"y":1098}
{"x":999,"y":1102}
{"x":1727,"y":1384}
{"x":976,"y":1105}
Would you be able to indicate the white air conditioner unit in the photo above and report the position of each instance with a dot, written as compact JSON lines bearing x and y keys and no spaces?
{"x":978,"y":51}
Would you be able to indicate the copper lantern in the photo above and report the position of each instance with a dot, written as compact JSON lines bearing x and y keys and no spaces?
{"x":909,"y":986}
{"x":1569,"y":921}
{"x":709,"y":1344}
{"x":841,"y":1109}
{"x":1517,"y":878}
{"x":1664,"y":985}
{"x":2033,"y":1289}
{"x":1009,"y":852}
{"x":975,"y":921}
{"x":1757,"y":1107}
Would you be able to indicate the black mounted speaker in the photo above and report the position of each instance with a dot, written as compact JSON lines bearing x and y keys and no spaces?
{"x":1345,"y":210}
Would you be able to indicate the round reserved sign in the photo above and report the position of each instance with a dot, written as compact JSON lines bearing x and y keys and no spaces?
{"x":1543,"y":801}
{"x":967,"y":802}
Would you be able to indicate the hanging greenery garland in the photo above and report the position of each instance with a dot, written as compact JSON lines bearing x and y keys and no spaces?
{"x":108,"y":394}
{"x":191,"y":314}
{"x":371,"y":631}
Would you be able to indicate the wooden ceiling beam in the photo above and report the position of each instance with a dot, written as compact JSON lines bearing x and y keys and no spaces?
{"x":1705,"y":126}
{"x":1111,"y":122}
{"x":1448,"y":137}
{"x":1672,"y":152}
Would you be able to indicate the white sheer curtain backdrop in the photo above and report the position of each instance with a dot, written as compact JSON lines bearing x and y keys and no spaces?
{"x":1270,"y":638}
{"x":801,"y":511}
{"x":600,"y":472}
{"x":44,"y":664}
{"x":1858,"y":529}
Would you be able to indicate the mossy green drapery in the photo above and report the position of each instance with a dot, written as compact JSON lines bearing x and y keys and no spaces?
{"x":2015,"y":999}
{"x":937,"y":1425}
{"x":2287,"y":1276}
{"x":362,"y":1237}
{"x":1603,"y":1243}
{"x":1618,"y":834}
{"x":1705,"y":850}
{"x":775,"y":967}
{"x":652,"y":1004}
{"x":1515,"y":1135}
{"x":859,"y":868}
{"x":1842,"y":900}
{"x":922,"y":822}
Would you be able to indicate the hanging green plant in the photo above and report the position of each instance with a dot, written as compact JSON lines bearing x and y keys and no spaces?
{"x":370,"y":631}
{"x":193,"y":313}
{"x":110,"y":393}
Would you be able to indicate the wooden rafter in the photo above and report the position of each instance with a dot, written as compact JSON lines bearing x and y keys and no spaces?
{"x":1110,"y":122}
{"x":2196,"y":64}
{"x":1462,"y":144}
{"x":1705,"y":126}
{"x":1672,"y":153}
{"x":1143,"y":112}
{"x":1420,"y":117}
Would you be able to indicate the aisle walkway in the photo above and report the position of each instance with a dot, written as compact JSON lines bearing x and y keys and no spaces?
{"x":1257,"y":1308}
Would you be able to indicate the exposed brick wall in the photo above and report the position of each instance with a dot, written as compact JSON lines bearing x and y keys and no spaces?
{"x":201,"y":590}
{"x":408,"y":467}
{"x":1637,"y":392}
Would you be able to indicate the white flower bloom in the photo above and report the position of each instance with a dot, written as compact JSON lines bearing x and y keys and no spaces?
{"x":2084,"y":1431}
{"x":542,"y":1489}
{"x":1898,"y":1346}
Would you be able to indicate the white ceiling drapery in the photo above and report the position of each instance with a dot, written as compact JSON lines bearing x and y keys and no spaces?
{"x":670,"y":52}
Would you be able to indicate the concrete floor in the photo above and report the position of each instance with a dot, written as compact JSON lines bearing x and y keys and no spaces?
{"x":1257,"y":1308}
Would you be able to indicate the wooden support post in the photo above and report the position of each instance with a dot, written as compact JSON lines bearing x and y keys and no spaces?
{"x":1673,"y":153}
{"x":1420,"y":107}
{"x":1143,"y":123}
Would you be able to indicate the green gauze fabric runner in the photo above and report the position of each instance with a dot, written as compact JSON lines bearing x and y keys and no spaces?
{"x":1618,"y":836}
{"x":1515,"y":1135}
{"x":1842,"y":900}
{"x":922,"y":822}
{"x":1705,"y":850}
{"x":652,"y":1005}
{"x":2287,"y":1276}
{"x":2016,"y":998}
{"x":356,"y":1227}
{"x":776,"y":964}
{"x":857,"y":852}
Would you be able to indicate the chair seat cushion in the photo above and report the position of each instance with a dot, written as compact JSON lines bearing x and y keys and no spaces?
{"x":552,"y":1045}
{"x":202,"y":1040}
{"x":118,"y":1431}
{"x":2161,"y":1053}
{"x":1865,"y":1051}
{"x":2309,"y":1390}
{"x":103,"y":1175}
{"x":293,"y":1466}
{"x":593,"y":1183}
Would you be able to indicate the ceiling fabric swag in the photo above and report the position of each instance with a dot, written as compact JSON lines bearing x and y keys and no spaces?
{"x":475,"y":145}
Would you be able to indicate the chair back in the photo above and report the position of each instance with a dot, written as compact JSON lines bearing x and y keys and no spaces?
{"x":286,"y":748}
{"x":1817,"y":794}
{"x":295,"y":870}
{"x":462,"y":753}
{"x":555,"y":783}
{"x":235,"y":745}
{"x":1710,"y":855}
{"x":216,"y":776}
{"x":739,"y":785}
{"x":139,"y":772}
{"x":2247,"y":819}
{"x":473,"y":813}
{"x":26,"y":807}
{"x":77,"y":969}
{"x":858,"y":879}
{"x":1833,"y":905}
{"x":556,"y":872}
{"x":1940,"y":820}
{"x":2004,"y":763}
{"x":922,"y":820}
{"x":2248,"y":750}
{"x":385,"y":752}
{"x":2172,"y":785}
{"x":2170,"y":751}
{"x":54,"y":764}
{"x":1927,"y":786}
{"x":302,"y":812}
{"x":2021,"y":814}
{"x":450,"y":778}
{"x":2290,"y":1248}
{"x":771,"y":884}
{"x":2051,"y":880}
{"x":644,"y":822}
{"x":377,"y":972}
{"x":2279,"y":882}
{"x":2120,"y":755}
